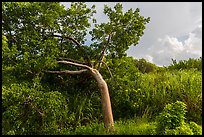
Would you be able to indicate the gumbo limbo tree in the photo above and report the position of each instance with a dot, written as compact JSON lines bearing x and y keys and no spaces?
{"x":42,"y":36}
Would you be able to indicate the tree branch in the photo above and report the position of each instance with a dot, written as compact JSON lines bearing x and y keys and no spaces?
{"x":72,"y":60}
{"x":69,"y":38}
{"x":78,"y":45}
{"x":112,"y":78}
{"x":67,"y":72}
{"x":103,"y":52}
{"x":75,"y":64}
{"x":108,"y":69}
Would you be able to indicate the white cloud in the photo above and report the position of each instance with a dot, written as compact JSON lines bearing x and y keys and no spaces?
{"x":149,"y":58}
{"x":194,"y":44}
{"x":168,"y":33}
{"x":170,"y":47}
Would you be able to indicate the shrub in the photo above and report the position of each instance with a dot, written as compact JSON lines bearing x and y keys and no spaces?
{"x":171,"y":121}
{"x":172,"y":116}
{"x":183,"y":129}
{"x":27,"y":110}
{"x":197,"y":130}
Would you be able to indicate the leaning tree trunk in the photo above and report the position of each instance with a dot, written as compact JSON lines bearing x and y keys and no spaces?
{"x":105,"y":100}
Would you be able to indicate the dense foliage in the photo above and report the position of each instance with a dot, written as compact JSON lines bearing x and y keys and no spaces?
{"x":29,"y":110}
{"x":34,"y":102}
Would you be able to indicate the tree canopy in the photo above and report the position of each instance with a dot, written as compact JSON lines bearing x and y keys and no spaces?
{"x":39,"y":33}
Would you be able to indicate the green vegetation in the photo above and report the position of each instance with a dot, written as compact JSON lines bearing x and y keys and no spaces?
{"x":145,"y":99}
{"x":135,"y":126}
{"x":171,"y":121}
{"x":139,"y":95}
{"x":187,"y":64}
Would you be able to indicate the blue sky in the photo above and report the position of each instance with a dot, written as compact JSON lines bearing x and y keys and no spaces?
{"x":175,"y":30}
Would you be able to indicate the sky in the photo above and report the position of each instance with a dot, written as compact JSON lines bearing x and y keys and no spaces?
{"x":174,"y":30}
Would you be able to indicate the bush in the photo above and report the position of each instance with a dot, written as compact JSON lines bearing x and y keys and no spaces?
{"x":171,"y":121}
{"x":172,"y":116}
{"x":183,"y":129}
{"x":197,"y":130}
{"x":27,"y":110}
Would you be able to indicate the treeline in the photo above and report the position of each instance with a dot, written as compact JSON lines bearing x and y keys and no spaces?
{"x":147,"y":67}
{"x":191,"y":63}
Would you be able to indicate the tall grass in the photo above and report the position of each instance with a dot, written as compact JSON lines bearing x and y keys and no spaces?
{"x":158,"y":89}
{"x":147,"y":94}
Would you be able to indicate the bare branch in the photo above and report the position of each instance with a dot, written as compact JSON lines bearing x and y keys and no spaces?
{"x":72,"y":60}
{"x":108,"y":69}
{"x":67,"y":72}
{"x":75,"y":64}
{"x":112,"y":78}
